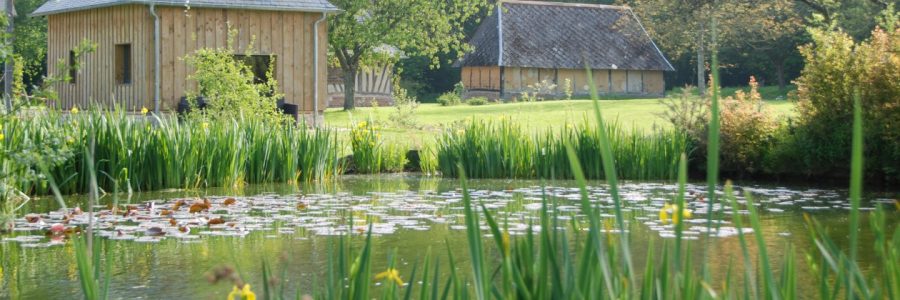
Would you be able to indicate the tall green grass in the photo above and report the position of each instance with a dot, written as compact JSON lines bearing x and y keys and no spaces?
{"x":502,"y":149}
{"x":161,"y":152}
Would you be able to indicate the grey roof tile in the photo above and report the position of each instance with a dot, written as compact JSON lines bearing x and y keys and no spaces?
{"x":561,"y":35}
{"x":61,"y":6}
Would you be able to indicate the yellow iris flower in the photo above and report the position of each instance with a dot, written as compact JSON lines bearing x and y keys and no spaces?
{"x":74,"y":110}
{"x":242,"y":294}
{"x":669,"y":213}
{"x":144,"y":111}
{"x":390,"y":274}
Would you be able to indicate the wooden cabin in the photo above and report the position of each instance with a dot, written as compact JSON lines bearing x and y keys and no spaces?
{"x":140,"y":45}
{"x":525,"y":43}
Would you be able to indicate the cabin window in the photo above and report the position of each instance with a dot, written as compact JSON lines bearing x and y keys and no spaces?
{"x":258,"y":64}
{"x":73,"y":68}
{"x":123,"y":64}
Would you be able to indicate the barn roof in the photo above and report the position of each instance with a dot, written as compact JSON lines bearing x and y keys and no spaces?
{"x":62,"y":6}
{"x":564,"y":35}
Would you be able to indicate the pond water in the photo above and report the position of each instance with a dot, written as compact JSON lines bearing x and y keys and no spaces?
{"x":159,"y":251}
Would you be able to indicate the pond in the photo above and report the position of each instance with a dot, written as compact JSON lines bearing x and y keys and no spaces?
{"x":159,"y":251}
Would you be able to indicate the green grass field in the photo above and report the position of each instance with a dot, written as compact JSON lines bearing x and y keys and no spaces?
{"x":639,"y":114}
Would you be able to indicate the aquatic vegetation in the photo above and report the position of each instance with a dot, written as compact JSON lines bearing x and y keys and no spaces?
{"x":162,"y":152}
{"x":501,"y":149}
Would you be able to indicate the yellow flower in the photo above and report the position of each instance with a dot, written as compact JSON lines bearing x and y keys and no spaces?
{"x":144,"y":111}
{"x":362,"y":124}
{"x":390,"y":274}
{"x":74,"y":110}
{"x":505,"y":241}
{"x":2,"y":137}
{"x":205,"y":125}
{"x":669,"y":213}
{"x":242,"y":294}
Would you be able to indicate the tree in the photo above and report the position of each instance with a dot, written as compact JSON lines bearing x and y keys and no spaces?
{"x":415,"y":27}
{"x":682,"y":26}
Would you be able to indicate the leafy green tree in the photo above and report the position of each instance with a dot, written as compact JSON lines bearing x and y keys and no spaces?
{"x":415,"y":27}
{"x":681,"y":27}
{"x":31,"y":41}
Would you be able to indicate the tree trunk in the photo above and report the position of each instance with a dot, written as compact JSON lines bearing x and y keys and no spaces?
{"x":349,"y":88}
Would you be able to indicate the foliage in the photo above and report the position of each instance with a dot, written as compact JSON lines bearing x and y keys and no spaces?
{"x":453,"y":97}
{"x":449,"y":99}
{"x":229,"y":87}
{"x":428,"y":163}
{"x":414,"y":27}
{"x":476,"y":101}
{"x":394,"y":158}
{"x":747,"y":129}
{"x":405,"y":105}
{"x":504,"y":150}
{"x":368,"y":151}
{"x":539,"y":90}
{"x":836,"y":69}
{"x":687,"y":113}
{"x":30,"y":44}
{"x":138,"y":155}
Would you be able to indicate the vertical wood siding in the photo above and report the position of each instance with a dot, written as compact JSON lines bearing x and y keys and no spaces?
{"x":286,"y":35}
{"x":516,"y":80}
{"x":96,"y":82}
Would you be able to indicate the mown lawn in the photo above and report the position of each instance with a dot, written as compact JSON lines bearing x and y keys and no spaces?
{"x":637,"y":114}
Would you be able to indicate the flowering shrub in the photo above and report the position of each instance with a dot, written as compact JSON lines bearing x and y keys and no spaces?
{"x":746,"y":128}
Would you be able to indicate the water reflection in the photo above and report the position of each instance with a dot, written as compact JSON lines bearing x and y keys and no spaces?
{"x":410,"y":213}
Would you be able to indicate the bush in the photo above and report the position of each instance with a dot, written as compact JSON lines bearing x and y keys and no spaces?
{"x":687,"y":113}
{"x":449,"y":99}
{"x":837,"y":68}
{"x":475,"y":101}
{"x":405,"y":106}
{"x":229,"y":86}
{"x":746,"y":130}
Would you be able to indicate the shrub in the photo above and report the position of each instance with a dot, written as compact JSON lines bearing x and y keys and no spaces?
{"x":746,"y":130}
{"x":687,"y":113}
{"x":475,"y":101}
{"x":229,"y":87}
{"x":449,"y":99}
{"x":836,"y":68}
{"x":405,"y":106}
{"x":537,"y":91}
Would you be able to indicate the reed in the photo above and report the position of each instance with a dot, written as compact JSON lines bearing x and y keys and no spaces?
{"x":502,"y":149}
{"x":161,"y":152}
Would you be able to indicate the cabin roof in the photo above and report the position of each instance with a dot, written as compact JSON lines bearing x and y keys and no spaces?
{"x":63,"y":6}
{"x":540,"y":34}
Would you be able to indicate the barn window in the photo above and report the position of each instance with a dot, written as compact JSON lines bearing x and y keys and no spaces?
{"x":123,"y":64}
{"x":73,"y":67}
{"x":258,"y":64}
